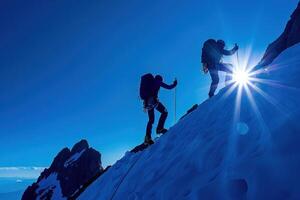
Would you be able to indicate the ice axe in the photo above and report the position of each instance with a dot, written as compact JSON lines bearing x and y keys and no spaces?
{"x":237,"y":57}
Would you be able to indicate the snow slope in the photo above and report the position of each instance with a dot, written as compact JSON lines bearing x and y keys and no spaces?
{"x":50,"y":183}
{"x":217,"y":152}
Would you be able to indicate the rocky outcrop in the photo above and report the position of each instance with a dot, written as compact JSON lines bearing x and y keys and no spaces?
{"x":288,"y":38}
{"x":69,"y":171}
{"x":194,"y":107}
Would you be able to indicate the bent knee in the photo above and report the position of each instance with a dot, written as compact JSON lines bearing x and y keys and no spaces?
{"x":165,"y":111}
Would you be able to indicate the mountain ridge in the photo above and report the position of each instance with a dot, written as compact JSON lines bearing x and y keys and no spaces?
{"x":69,"y":171}
{"x":288,"y":38}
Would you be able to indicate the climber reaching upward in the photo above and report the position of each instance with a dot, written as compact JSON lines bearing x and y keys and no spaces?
{"x":212,"y":53}
{"x":149,"y":89}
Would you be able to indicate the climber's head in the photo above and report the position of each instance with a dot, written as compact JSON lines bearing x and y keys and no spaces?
{"x":159,"y":78}
{"x":221,"y":43}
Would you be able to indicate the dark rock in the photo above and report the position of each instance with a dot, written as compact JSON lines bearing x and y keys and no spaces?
{"x":59,"y":160}
{"x":83,"y":144}
{"x":288,"y":38}
{"x":140,"y":147}
{"x":194,"y":107}
{"x":72,"y":168}
{"x":86,"y":184}
{"x":30,"y":192}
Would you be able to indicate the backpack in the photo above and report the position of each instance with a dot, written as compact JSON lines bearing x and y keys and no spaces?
{"x":147,"y":86}
{"x":209,"y":51}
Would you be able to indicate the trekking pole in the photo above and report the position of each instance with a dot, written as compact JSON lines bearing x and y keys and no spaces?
{"x":237,"y":57}
{"x":175,"y":106}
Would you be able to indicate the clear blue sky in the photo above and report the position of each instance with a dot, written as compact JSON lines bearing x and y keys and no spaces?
{"x":72,"y":70}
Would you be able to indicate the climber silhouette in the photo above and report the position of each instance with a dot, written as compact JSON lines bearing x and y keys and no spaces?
{"x":212,"y":53}
{"x":149,"y":89}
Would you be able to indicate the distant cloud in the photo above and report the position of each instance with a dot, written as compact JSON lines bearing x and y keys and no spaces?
{"x":20,"y":172}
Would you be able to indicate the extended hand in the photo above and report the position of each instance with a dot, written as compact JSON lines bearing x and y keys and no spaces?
{"x":236,"y":47}
{"x":175,"y":82}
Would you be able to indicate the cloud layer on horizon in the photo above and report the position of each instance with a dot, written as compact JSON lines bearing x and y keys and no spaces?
{"x":20,"y":172}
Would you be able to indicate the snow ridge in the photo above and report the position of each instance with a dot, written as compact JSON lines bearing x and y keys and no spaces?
{"x":223,"y":149}
{"x":49,"y":185}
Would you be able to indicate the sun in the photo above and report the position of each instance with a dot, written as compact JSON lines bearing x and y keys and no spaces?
{"x":241,"y":77}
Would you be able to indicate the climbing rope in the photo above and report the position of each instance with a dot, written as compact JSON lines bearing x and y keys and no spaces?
{"x":123,"y":178}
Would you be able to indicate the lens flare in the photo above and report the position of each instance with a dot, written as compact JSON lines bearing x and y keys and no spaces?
{"x":241,"y":77}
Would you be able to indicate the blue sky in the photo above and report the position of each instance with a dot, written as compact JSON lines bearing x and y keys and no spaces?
{"x":72,"y":70}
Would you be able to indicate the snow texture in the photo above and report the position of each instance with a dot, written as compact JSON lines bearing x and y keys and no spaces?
{"x":218,"y":153}
{"x":50,"y":184}
{"x":73,"y":158}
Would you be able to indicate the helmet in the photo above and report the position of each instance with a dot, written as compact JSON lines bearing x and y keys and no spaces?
{"x":158,"y":77}
{"x":221,"y":43}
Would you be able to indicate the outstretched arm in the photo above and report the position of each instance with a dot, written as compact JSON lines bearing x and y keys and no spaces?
{"x":169,"y":87}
